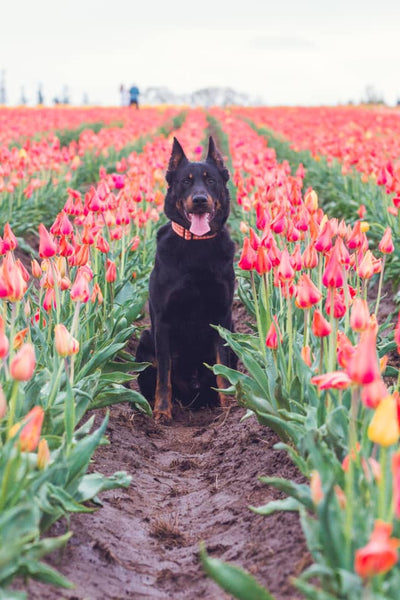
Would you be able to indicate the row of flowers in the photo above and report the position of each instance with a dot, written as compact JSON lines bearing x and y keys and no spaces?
{"x":64,"y":318}
{"x":318,"y":371}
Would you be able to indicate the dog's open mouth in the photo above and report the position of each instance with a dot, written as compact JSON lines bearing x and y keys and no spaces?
{"x":199,"y":222}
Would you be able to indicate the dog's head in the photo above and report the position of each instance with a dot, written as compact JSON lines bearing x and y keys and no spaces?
{"x":197,"y":196}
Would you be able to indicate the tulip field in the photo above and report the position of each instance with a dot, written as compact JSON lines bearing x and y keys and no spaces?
{"x":315,"y":198}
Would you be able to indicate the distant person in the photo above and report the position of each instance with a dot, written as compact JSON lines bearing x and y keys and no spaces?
{"x":125,"y":96}
{"x":134,"y":96}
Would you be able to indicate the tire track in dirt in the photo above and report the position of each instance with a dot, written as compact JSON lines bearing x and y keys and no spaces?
{"x":192,"y":480}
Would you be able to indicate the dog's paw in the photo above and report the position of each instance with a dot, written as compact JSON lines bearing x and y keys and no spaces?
{"x":162,"y":416}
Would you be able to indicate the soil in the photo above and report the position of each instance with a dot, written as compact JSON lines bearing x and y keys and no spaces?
{"x":192,"y":480}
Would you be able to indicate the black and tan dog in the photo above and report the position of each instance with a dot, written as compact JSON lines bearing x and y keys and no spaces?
{"x":191,"y":287}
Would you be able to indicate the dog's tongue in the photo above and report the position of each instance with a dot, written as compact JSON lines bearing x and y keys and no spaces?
{"x":199,"y":224}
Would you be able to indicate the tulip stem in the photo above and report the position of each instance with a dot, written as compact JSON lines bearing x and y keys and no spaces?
{"x":12,"y":405}
{"x":349,"y":484}
{"x":382,"y":483}
{"x":56,"y":290}
{"x":55,"y":386}
{"x":378,"y":298}
{"x":290,"y":333}
{"x":257,"y":309}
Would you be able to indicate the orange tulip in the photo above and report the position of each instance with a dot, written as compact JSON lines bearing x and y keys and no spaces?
{"x":306,"y":355}
{"x":345,"y":349}
{"x":285,"y":269}
{"x":320,"y":326}
{"x":80,"y":288}
{"x":307,"y":293}
{"x":338,"y":380}
{"x":111,"y":271}
{"x":380,"y":554}
{"x":366,"y":267}
{"x":363,"y":366}
{"x":97,"y":293}
{"x":23,"y":363}
{"x":359,"y":317}
{"x":19,"y":338}
{"x":271,"y":340}
{"x":317,"y":495}
{"x":333,"y":273}
{"x":262,"y":263}
{"x":310,"y":257}
{"x":30,"y":433}
{"x":386,"y":244}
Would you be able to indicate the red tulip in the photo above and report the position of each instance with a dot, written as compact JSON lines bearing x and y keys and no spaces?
{"x":271,"y":341}
{"x":47,"y":245}
{"x":248,"y":256}
{"x":380,"y":554}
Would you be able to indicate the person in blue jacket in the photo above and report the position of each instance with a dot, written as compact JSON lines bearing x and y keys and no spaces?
{"x":134,"y":96}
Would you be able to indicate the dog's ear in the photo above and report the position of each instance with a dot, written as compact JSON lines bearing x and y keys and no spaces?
{"x":215,"y":157}
{"x":178,"y":157}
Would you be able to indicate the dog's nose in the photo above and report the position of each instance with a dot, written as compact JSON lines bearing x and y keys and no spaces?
{"x":199,"y":199}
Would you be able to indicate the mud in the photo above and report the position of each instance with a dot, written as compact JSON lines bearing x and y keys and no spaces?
{"x":192,"y":481}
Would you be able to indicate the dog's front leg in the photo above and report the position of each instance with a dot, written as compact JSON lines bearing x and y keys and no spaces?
{"x":163,"y":396}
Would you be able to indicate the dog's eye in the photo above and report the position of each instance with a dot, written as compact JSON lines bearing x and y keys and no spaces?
{"x":210,"y":180}
{"x":187,"y":181}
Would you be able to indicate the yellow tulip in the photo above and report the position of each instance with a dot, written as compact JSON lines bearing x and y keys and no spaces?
{"x":384,"y":427}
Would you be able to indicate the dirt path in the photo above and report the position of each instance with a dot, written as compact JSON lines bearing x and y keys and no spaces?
{"x":192,"y":481}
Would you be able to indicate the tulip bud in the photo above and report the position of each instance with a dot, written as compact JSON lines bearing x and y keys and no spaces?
{"x":23,"y":364}
{"x":111,"y":271}
{"x":43,"y":455}
{"x":317,"y":495}
{"x":64,"y":342}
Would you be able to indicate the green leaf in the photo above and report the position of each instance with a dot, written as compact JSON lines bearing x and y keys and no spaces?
{"x":312,"y":592}
{"x":122,"y":394}
{"x":58,"y":495}
{"x":6,"y":594}
{"x":94,"y":483}
{"x":233,"y":580}
{"x":42,"y":572}
{"x":299,"y":491}
{"x":69,"y":413}
{"x":286,"y":504}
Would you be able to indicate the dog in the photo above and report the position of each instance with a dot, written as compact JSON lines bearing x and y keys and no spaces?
{"x":191,"y":287}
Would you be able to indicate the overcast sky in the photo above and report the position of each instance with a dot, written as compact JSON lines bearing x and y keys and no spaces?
{"x":283,"y":52}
